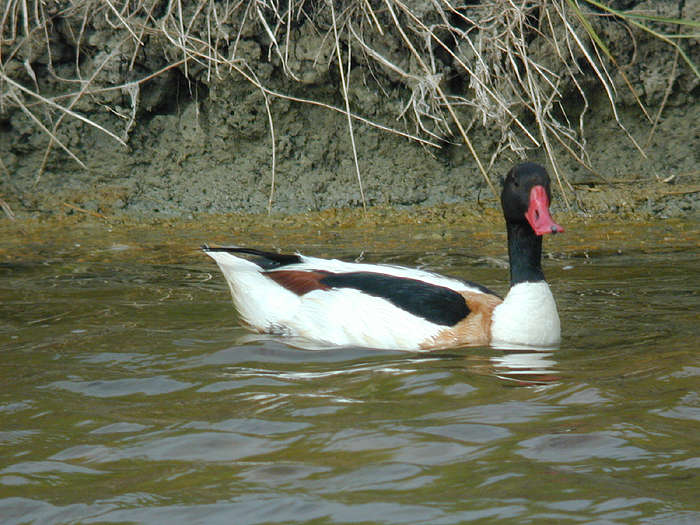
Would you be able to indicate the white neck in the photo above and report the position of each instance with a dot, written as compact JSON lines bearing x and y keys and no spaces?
{"x":527,"y":316}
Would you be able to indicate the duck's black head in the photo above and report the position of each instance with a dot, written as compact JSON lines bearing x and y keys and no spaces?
{"x":525,"y":198}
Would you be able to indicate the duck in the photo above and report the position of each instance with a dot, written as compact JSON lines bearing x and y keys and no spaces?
{"x":380,"y":306}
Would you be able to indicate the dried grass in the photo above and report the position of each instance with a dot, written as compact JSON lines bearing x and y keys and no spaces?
{"x":512,"y":90}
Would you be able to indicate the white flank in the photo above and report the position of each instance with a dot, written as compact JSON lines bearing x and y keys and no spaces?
{"x":527,"y":316}
{"x":343,"y":316}
{"x":350,"y":317}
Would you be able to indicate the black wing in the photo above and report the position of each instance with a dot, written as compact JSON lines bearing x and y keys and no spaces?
{"x":436,"y":304}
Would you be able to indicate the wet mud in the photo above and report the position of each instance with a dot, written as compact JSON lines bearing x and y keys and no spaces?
{"x":203,"y":144}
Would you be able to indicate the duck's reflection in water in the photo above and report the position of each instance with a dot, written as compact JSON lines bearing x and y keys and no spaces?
{"x":520,"y":365}
{"x":524,"y":365}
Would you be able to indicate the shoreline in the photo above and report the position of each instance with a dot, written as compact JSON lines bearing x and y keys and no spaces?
{"x":84,"y":236}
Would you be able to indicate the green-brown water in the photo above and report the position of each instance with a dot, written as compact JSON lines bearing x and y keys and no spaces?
{"x":130,"y":394}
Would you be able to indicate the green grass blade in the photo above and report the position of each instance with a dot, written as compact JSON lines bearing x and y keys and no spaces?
{"x":632,"y":18}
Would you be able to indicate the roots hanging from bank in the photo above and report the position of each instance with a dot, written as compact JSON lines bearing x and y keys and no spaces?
{"x":498,"y":66}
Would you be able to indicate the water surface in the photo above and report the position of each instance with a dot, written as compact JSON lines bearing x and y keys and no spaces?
{"x":131,"y":395}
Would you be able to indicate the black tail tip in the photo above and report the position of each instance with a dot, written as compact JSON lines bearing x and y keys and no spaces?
{"x":222,"y":248}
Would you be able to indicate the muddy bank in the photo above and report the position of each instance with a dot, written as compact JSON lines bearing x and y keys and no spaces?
{"x":199,"y":141}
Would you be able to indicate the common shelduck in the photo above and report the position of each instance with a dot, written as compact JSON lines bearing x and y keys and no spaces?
{"x":392,"y":307}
